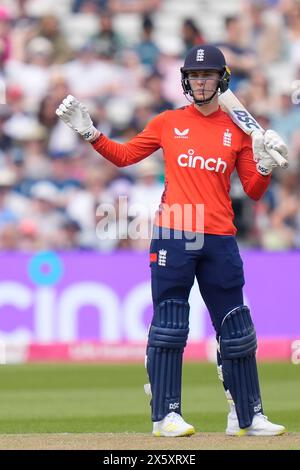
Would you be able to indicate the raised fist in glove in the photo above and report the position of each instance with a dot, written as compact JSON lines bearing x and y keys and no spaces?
{"x":261,"y":143}
{"x":75,"y":115}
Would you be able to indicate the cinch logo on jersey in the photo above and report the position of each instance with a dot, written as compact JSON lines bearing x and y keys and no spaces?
{"x":181,"y":134}
{"x":196,"y":161}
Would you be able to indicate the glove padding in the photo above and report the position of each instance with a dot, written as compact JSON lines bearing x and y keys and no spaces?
{"x":76,"y":115}
{"x":261,"y":143}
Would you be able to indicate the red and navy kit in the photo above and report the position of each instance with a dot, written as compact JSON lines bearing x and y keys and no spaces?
{"x":200,"y":154}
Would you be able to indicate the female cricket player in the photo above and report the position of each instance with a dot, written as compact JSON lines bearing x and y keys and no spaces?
{"x":202,"y":147}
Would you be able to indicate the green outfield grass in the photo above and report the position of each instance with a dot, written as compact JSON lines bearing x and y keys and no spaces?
{"x":110,"y":398}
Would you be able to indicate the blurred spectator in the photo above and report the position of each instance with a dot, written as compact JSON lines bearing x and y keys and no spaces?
{"x":147,"y":50}
{"x":62,"y":175}
{"x":45,"y":213}
{"x":267,"y":32}
{"x":5,"y":42}
{"x":49,"y":28}
{"x":32,"y":136}
{"x":68,"y":235}
{"x":240,"y":59}
{"x":134,"y":6}
{"x":107,"y":42}
{"x":81,"y":206}
{"x":191,"y":35}
{"x":286,"y":118}
{"x":7,"y":181}
{"x":293,"y":31}
{"x":87,"y":76}
{"x":60,"y":139}
{"x":5,"y":139}
{"x":46,"y":113}
{"x":9,"y":237}
{"x":282,"y":229}
{"x":89,"y":6}
{"x":58,"y":86}
{"x":29,"y":240}
{"x":169,"y":68}
{"x":154,"y":85}
{"x":143,"y":110}
{"x":118,"y":234}
{"x":243,"y":211}
{"x":130,"y":71}
{"x":15,"y":99}
{"x":100,"y":116}
{"x":112,"y":217}
{"x":258,"y":94}
{"x":32,"y":76}
{"x":147,"y":190}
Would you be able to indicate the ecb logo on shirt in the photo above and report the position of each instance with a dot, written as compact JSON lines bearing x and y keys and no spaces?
{"x":200,"y":55}
{"x":227,"y":138}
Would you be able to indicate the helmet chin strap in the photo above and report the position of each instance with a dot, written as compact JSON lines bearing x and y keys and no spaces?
{"x":190,"y":97}
{"x":190,"y":94}
{"x":204,"y":101}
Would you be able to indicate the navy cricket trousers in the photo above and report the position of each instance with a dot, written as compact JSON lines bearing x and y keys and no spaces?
{"x":217,"y":266}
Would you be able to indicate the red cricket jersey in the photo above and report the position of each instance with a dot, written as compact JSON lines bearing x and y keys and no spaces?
{"x":200,"y":154}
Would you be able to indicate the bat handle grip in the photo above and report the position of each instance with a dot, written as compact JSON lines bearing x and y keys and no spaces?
{"x":282,"y":162}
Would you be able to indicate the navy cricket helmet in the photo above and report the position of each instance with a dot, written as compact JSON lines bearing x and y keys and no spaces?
{"x":205,"y":57}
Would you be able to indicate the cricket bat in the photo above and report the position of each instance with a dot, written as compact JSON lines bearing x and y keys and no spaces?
{"x":239,"y":114}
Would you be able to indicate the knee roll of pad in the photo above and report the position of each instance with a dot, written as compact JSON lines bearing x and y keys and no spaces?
{"x":238,"y":346}
{"x":167,"y":338}
{"x":238,"y":337}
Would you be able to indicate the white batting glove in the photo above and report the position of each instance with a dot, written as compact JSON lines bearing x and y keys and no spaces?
{"x":274,"y":141}
{"x":75,"y":115}
{"x":265,"y":162}
{"x":260,"y":144}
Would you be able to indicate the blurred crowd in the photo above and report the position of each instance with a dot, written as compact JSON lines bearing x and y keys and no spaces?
{"x":122,"y":59}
